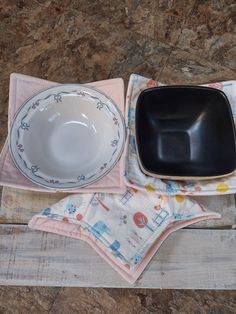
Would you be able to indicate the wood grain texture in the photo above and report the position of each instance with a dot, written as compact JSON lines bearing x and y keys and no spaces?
{"x":188,"y":259}
{"x":18,"y":207}
{"x":223,"y":204}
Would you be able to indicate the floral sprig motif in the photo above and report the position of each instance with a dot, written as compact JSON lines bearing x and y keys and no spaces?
{"x":114,"y":143}
{"x":81,"y":177}
{"x":34,"y":169}
{"x":58,"y":97}
{"x":20,"y":148}
{"x":24,"y":125}
{"x":99,"y":105}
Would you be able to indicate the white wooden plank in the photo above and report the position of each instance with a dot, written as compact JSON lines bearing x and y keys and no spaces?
{"x":188,"y":259}
{"x":18,"y":206}
{"x":223,"y":204}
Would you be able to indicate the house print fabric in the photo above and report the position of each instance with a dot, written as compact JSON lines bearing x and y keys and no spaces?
{"x":126,"y":230}
{"x":135,"y":178}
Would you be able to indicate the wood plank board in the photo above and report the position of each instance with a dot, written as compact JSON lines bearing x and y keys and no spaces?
{"x":223,"y":204}
{"x":188,"y":259}
{"x":18,"y":206}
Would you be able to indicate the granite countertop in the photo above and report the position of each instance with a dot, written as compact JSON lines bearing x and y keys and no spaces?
{"x":187,"y":41}
{"x":80,"y":41}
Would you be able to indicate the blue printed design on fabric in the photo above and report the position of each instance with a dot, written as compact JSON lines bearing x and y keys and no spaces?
{"x":46,"y":211}
{"x":137,"y":258}
{"x":131,"y":115}
{"x":132,"y":146}
{"x":115,"y":247}
{"x":70,"y":208}
{"x":160,"y":216}
{"x":178,"y":216}
{"x":99,"y":228}
{"x":171,"y":187}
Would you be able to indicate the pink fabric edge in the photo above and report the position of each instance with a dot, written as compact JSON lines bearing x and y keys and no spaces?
{"x":48,"y":225}
{"x":172,"y":228}
{"x":119,"y":189}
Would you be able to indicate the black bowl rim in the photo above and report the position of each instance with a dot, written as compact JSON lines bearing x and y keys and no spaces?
{"x":137,"y":144}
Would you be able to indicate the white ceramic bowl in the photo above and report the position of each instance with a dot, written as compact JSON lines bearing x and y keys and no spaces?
{"x":67,"y":136}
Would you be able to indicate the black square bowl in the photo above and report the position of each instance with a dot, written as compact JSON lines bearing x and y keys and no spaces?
{"x":185,"y":132}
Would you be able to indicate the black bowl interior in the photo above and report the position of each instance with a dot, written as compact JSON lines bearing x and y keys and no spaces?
{"x":185,"y":131}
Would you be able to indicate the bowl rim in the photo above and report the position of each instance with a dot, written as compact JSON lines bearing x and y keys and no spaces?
{"x":78,"y":186}
{"x":178,"y":177}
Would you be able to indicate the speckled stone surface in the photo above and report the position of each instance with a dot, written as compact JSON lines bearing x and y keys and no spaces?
{"x":183,"y":41}
{"x":187,"y":41}
{"x":14,"y":300}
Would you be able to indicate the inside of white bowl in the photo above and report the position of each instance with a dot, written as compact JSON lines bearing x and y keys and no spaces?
{"x":66,"y":137}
